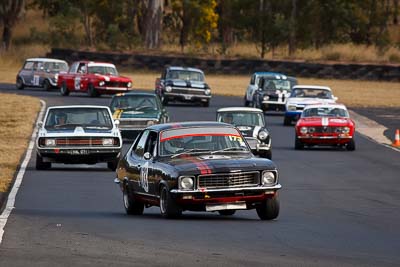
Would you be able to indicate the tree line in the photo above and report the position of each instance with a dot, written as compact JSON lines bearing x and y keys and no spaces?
{"x":126,"y":24}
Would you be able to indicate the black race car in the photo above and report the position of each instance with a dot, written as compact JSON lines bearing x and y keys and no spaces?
{"x":183,"y":84}
{"x":197,"y":166}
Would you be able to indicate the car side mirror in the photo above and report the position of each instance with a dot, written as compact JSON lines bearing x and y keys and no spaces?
{"x":40,"y":124}
{"x":117,"y":122}
{"x":147,"y":156}
{"x":335,"y":98}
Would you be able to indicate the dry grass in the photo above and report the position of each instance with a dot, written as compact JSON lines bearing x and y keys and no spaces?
{"x":17,"y":116}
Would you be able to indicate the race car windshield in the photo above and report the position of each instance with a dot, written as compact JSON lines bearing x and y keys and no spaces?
{"x":135,"y":103}
{"x":242,"y":119}
{"x":312,"y":93}
{"x":325,"y":112}
{"x":185,"y":75}
{"x":277,"y":84}
{"x":66,"y":118}
{"x":104,"y":70}
{"x":201,"y":140}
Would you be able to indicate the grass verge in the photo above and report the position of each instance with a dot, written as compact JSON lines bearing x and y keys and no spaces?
{"x":17,"y":117}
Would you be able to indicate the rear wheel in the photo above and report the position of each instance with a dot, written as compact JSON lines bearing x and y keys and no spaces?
{"x":46,"y":85}
{"x":351,"y":145}
{"x":92,"y":91}
{"x":287,"y":121}
{"x":245,"y":102}
{"x":298,"y":144}
{"x":164,"y":100}
{"x":168,"y":207}
{"x":132,"y":206}
{"x":268,"y":209}
{"x":64,"y":90}
{"x":40,"y":165}
{"x":20,"y":83}
{"x":226,"y":212}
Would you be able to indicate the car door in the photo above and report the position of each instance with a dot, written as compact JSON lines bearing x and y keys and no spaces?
{"x":27,"y":73}
{"x":149,"y":163}
{"x":136,"y":165}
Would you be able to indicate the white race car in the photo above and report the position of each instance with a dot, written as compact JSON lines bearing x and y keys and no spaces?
{"x":303,"y":95}
{"x":76,"y":135}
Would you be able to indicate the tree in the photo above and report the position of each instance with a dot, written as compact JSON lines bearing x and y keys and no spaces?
{"x":10,"y":12}
{"x":153,"y":19}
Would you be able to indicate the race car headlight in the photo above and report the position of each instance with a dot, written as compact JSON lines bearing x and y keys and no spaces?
{"x":56,"y":77}
{"x":262,"y":135}
{"x":266,"y":97}
{"x":345,"y":130}
{"x":268,"y":178}
{"x":108,"y":141}
{"x":186,"y":183}
{"x":129,"y":85}
{"x":207,"y":91}
{"x":102,"y":83}
{"x":303,"y":130}
{"x":50,"y":142}
{"x":311,"y":129}
{"x":168,"y":88}
{"x":291,"y":108}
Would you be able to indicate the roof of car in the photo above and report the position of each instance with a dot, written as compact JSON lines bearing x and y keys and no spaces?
{"x":311,"y":87}
{"x":134,"y":94}
{"x":273,"y":74}
{"x":77,"y":106}
{"x":42,"y":59}
{"x":236,"y":109}
{"x":323,"y":105}
{"x":184,"y":68}
{"x":190,"y":124}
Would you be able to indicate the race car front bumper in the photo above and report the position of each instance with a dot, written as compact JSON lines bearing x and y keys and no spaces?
{"x":79,"y":155}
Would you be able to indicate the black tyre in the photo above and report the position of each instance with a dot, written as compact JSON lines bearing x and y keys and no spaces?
{"x":267,"y":154}
{"x":92,"y":91}
{"x":164,"y":100}
{"x":254,"y":103}
{"x":351,"y":145}
{"x":20,"y":84}
{"x":64,"y":90}
{"x":226,"y":212}
{"x":298,"y":144}
{"x":168,"y":207}
{"x":268,"y":209}
{"x":245,"y":102}
{"x":112,"y":165}
{"x":46,"y":85}
{"x":206,"y":104}
{"x":287,"y":121}
{"x":40,"y":165}
{"x":132,"y":206}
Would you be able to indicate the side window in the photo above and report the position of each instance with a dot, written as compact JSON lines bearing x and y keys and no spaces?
{"x":252,"y":80}
{"x":151,"y":144}
{"x":138,"y":150}
{"x":28,"y":65}
{"x":82,"y":68}
{"x":74,"y":67}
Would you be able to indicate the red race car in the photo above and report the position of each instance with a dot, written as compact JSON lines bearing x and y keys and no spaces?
{"x":326,"y":125}
{"x":93,"y":78}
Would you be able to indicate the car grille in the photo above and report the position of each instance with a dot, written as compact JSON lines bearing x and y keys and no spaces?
{"x":252,"y":142}
{"x":82,"y":142}
{"x":187,"y":91}
{"x":224,"y":180}
{"x":116,"y":84}
{"x":133,"y":123}
{"x":327,"y":129}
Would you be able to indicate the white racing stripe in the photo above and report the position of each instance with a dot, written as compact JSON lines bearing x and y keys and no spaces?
{"x":18,"y":180}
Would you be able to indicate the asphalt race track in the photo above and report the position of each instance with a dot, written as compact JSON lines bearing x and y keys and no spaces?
{"x":338,"y":208}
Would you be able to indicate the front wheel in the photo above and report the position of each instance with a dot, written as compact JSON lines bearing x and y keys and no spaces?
{"x":40,"y":165}
{"x":268,"y":209}
{"x":20,"y":83}
{"x":226,"y":212}
{"x":267,"y":154}
{"x":168,"y":207}
{"x":132,"y":206}
{"x":164,"y":100}
{"x":92,"y":91}
{"x":287,"y":121}
{"x":245,"y":102}
{"x":351,"y":145}
{"x":46,"y":85}
{"x":206,"y":104}
{"x":298,"y":144}
{"x":64,"y":90}
{"x":112,"y":165}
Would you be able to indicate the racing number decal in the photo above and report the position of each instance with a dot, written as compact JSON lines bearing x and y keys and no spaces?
{"x":235,"y":138}
{"x":36,"y":80}
{"x":144,"y":177}
{"x":77,"y":83}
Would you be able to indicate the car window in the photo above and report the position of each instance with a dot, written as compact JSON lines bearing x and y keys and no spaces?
{"x":242,"y":118}
{"x":185,"y":75}
{"x":135,"y":103}
{"x":252,"y":80}
{"x":28,"y":65}
{"x":151,"y":144}
{"x":55,"y":66}
{"x":138,"y":150}
{"x":74,"y":67}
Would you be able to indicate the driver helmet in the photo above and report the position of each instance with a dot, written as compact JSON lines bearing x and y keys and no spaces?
{"x":174,"y":145}
{"x":61,"y":118}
